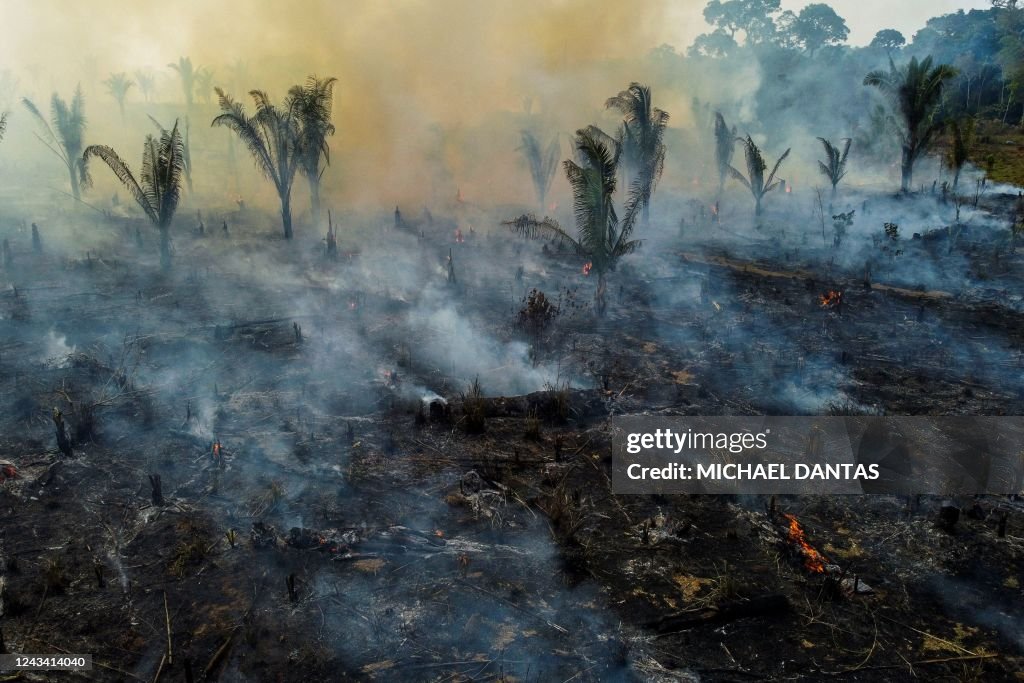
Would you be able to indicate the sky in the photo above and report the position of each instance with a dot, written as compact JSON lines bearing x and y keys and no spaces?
{"x":867,"y":17}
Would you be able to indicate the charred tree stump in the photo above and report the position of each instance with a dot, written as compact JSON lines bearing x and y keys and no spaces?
{"x":949,"y":515}
{"x":298,"y":332}
{"x":63,"y":441}
{"x":157,"y":489}
{"x":37,"y":242}
{"x":3,"y":647}
{"x":1001,"y":529}
{"x":189,"y":678}
{"x":293,"y":594}
{"x":101,"y":581}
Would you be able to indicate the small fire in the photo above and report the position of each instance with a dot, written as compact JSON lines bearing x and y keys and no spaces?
{"x":832,"y":299}
{"x":216,"y":449}
{"x":587,"y":267}
{"x":8,"y":470}
{"x":789,"y":189}
{"x":458,"y":236}
{"x":813,"y":560}
{"x":438,"y":533}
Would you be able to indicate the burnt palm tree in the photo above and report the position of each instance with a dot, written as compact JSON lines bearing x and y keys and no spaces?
{"x":962,"y":134}
{"x":118,"y":86}
{"x":643,"y":133}
{"x":146,"y":83}
{"x":542,"y":163}
{"x":63,"y":134}
{"x":186,"y":152}
{"x":158,"y":188}
{"x":601,"y":236}
{"x":313,"y":102}
{"x":834,"y":166}
{"x":915,"y":92}
{"x":187,"y":76}
{"x":755,"y":180}
{"x":272,"y":136}
{"x":725,"y":146}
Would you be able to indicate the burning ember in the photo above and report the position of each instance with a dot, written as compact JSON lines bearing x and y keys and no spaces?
{"x":216,"y":449}
{"x":7,"y":470}
{"x":458,"y":236}
{"x":587,"y":267}
{"x":813,"y":560}
{"x":831,"y":300}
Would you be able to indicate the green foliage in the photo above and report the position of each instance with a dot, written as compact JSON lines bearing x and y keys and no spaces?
{"x":642,"y":135}
{"x":118,"y":86}
{"x":834,"y":166}
{"x":961,"y":138}
{"x":755,"y":180}
{"x":474,"y":409}
{"x":313,"y":102}
{"x":915,"y":93}
{"x":601,"y":236}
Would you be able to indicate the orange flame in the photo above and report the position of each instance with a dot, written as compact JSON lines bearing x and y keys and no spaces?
{"x":830,"y":299}
{"x":216,"y":449}
{"x":587,"y":267}
{"x":813,"y":560}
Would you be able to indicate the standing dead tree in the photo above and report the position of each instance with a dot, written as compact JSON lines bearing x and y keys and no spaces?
{"x":642,"y":134}
{"x":725,"y":147}
{"x":313,"y":102}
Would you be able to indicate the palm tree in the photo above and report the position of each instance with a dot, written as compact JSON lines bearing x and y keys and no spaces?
{"x":204,"y":84}
{"x":755,"y":181}
{"x":118,"y":86}
{"x":643,"y":133}
{"x":64,"y":136}
{"x":186,"y":152}
{"x":187,"y":75}
{"x":313,"y":103}
{"x":915,"y":92}
{"x":963,"y":136}
{"x":146,"y":83}
{"x":3,"y":125}
{"x":159,"y":191}
{"x":542,"y":164}
{"x":272,"y":136}
{"x":725,"y":146}
{"x":835,"y":167}
{"x":601,"y":237}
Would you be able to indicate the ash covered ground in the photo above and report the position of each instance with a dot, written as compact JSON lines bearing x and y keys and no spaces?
{"x":392,"y":461}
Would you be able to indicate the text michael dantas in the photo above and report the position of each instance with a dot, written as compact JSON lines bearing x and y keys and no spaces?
{"x":667,"y":441}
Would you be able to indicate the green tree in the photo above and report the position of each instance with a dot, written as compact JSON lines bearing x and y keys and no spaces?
{"x":158,"y":188}
{"x":601,"y":236}
{"x":915,"y":92}
{"x":542,"y":163}
{"x":816,"y":26}
{"x":834,"y":166}
{"x":755,"y":180}
{"x":313,"y":102}
{"x":718,"y":44}
{"x":63,"y":135}
{"x":752,"y":17}
{"x":204,"y":84}
{"x":118,"y":86}
{"x":272,"y":136}
{"x":643,"y":135}
{"x":888,"y":39}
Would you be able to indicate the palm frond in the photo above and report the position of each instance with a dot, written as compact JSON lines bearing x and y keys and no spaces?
{"x":124,"y":174}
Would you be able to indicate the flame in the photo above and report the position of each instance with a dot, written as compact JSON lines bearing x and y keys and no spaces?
{"x":216,"y":449}
{"x":587,"y":267}
{"x":813,"y":560}
{"x":439,"y":533}
{"x":789,"y":189}
{"x":458,"y":236}
{"x":8,"y":471}
{"x":830,"y":299}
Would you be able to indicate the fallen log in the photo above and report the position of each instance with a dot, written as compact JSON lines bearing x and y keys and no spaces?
{"x":773,"y":605}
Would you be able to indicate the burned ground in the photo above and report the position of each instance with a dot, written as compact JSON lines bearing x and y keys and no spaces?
{"x":325,"y":513}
